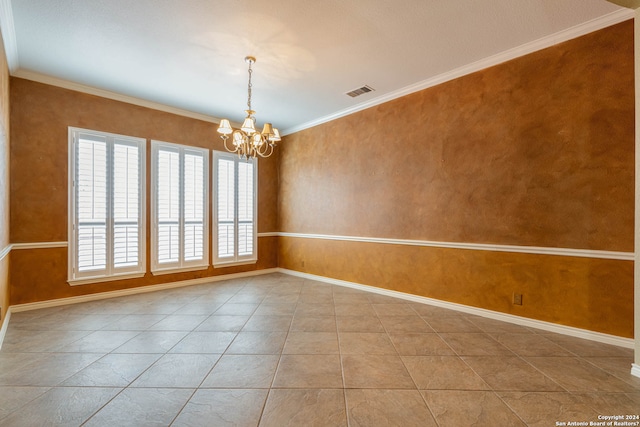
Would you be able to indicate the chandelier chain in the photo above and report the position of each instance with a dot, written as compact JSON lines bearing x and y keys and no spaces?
{"x":249,"y":88}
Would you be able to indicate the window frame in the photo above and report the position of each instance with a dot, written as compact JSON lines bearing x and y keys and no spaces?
{"x":182,"y":264}
{"x":235,"y":259}
{"x":110,"y":272}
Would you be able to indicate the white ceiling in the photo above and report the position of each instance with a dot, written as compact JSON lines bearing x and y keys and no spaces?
{"x":188,"y":54}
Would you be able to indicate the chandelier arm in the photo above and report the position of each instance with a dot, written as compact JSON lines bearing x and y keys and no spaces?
{"x":264,"y":152}
{"x":225,"y":138}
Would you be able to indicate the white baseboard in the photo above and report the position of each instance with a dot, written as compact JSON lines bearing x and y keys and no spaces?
{"x":538,"y":324}
{"x":635,"y":370}
{"x":5,"y":326}
{"x":510,"y":318}
{"x":133,"y":291}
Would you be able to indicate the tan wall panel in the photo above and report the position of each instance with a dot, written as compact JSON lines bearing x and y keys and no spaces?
{"x":537,"y":151}
{"x":586,"y":293}
{"x":41,"y":274}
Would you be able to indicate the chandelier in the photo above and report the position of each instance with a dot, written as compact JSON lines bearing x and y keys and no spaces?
{"x":246,"y":141}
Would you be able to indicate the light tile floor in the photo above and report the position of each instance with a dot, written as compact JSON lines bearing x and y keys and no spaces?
{"x":277,"y":350}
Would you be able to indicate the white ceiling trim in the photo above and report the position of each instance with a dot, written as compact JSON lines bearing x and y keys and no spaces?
{"x":525,"y":49}
{"x":9,"y":34}
{"x":90,"y":90}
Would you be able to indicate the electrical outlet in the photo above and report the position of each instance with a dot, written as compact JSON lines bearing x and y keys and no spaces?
{"x":517,"y":299}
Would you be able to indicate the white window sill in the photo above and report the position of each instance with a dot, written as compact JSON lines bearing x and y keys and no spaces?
{"x":171,"y":270}
{"x":99,"y":279}
{"x":234,"y":263}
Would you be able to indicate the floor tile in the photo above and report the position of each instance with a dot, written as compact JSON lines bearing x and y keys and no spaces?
{"x":218,"y":323}
{"x":611,"y":403}
{"x":313,"y":408}
{"x":13,"y":398}
{"x":365,"y":343}
{"x":530,"y":345}
{"x":452,"y":324}
{"x":510,"y":373}
{"x":405,"y":324}
{"x":49,"y":370}
{"x":619,"y":367}
{"x":151,"y":342}
{"x":258,"y":323}
{"x":179,"y":322}
{"x":539,"y":409}
{"x":204,"y":342}
{"x":257,"y":343}
{"x":470,"y":408}
{"x":142,"y":407}
{"x":199,"y":308}
{"x":393,"y":309}
{"x":112,"y":370}
{"x":276,"y":309}
{"x":359,"y":324}
{"x":344,"y":309}
{"x":311,"y":343}
{"x":390,"y":362}
{"x":177,"y":370}
{"x":443,"y":373}
{"x":309,"y":371}
{"x":420,"y":345}
{"x":134,"y":322}
{"x":62,"y":406}
{"x":243,"y":371}
{"x":39,"y":341}
{"x":496,"y":326}
{"x":578,"y":375}
{"x":230,"y":309}
{"x":222,"y":408}
{"x":303,"y":323}
{"x":375,"y":371}
{"x":467,"y":344}
{"x":387,"y":408}
{"x":98,"y":342}
{"x":588,"y":348}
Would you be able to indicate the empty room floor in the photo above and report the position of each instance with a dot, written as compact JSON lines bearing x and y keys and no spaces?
{"x":278,"y":350}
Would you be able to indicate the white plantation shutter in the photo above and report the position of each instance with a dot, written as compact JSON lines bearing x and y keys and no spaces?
{"x":180,"y":207}
{"x":245,"y":208}
{"x":235,"y":208}
{"x":106,"y":231}
{"x":168,"y":206}
{"x":91,"y":204}
{"x":225,"y":189}
{"x":126,"y":204}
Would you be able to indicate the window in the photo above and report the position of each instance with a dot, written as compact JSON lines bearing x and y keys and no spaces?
{"x":180,"y":207}
{"x":235,"y":185}
{"x":106,"y":220}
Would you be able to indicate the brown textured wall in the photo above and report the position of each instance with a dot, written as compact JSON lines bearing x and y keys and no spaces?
{"x":538,"y":151}
{"x":4,"y":180}
{"x":586,"y":293}
{"x":40,"y":117}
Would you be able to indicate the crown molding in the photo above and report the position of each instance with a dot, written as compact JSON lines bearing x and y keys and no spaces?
{"x":90,"y":90}
{"x":522,"y":50}
{"x":8,"y":30}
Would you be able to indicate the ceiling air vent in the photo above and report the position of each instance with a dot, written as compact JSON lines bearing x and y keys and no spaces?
{"x":360,"y":91}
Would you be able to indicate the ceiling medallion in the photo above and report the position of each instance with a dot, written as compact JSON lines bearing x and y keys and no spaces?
{"x":246,"y":141}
